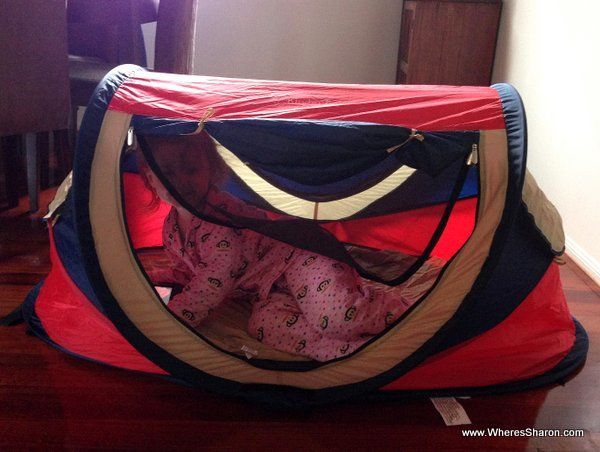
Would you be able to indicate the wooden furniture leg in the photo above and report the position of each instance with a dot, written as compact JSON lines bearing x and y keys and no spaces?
{"x":64,"y":150}
{"x":33,"y":182}
{"x":9,"y":153}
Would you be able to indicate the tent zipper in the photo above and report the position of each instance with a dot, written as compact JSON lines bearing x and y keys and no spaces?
{"x":414,"y":134}
{"x":437,"y":233}
{"x":130,"y":140}
{"x":473,"y":158}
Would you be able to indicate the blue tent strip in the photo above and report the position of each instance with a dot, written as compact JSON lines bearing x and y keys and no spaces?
{"x":69,"y":252}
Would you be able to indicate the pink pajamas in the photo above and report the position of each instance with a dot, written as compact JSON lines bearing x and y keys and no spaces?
{"x":304,"y":303}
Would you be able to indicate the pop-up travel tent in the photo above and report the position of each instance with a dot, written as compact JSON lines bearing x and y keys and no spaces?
{"x":383,"y":178}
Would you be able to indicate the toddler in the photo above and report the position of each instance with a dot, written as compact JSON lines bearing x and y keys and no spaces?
{"x":302,"y":303}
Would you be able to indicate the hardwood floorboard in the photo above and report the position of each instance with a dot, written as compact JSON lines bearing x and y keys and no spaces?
{"x":49,"y":400}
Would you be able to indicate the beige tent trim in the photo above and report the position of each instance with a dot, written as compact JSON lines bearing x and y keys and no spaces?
{"x":293,"y":205}
{"x":140,"y":304}
{"x":546,"y":217}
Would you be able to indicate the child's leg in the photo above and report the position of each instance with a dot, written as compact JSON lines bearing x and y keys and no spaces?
{"x":279,"y":323}
{"x":335,"y":300}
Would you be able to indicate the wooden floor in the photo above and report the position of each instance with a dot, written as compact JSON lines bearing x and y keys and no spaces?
{"x":51,"y":401}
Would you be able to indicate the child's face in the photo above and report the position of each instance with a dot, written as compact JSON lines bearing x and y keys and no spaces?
{"x":187,"y":165}
{"x":156,"y":184}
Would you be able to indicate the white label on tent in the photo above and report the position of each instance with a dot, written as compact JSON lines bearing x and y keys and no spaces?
{"x":451,"y":411}
{"x":249,"y":352}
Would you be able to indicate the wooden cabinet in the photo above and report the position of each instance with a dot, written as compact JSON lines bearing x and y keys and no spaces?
{"x":448,"y":42}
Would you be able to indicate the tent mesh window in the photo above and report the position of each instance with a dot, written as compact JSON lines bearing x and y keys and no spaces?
{"x":393,"y":203}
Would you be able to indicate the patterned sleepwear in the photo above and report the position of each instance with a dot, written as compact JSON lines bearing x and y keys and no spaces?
{"x":303,"y":303}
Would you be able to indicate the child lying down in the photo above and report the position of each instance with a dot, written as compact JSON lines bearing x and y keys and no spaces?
{"x":302,"y":303}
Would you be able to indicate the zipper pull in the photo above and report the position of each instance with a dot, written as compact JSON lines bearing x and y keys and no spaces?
{"x":418,"y":136}
{"x":130,"y":136}
{"x":473,"y":158}
{"x":413,"y":135}
{"x":130,"y":141}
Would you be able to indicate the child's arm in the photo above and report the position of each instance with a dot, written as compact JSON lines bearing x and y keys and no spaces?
{"x":204,"y":292}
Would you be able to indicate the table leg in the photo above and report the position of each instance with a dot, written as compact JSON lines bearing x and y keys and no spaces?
{"x":33,"y":180}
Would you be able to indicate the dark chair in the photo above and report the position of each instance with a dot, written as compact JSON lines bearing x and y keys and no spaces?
{"x":34,"y":83}
{"x":106,"y":33}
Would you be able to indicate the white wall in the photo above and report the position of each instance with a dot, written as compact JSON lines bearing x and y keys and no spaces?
{"x":346,"y":41}
{"x":549,"y":49}
{"x":149,"y":33}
